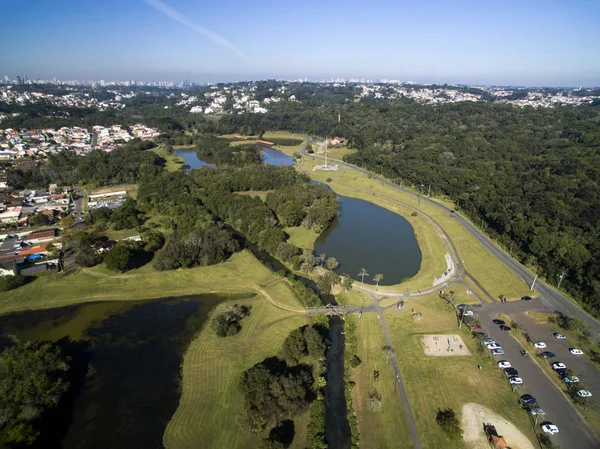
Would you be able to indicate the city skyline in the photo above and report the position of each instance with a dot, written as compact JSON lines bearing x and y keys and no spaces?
{"x":539,"y":44}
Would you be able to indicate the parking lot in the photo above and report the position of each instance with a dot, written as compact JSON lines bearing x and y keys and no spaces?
{"x":573,"y":430}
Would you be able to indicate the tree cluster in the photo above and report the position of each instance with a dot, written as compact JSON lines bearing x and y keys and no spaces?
{"x":448,"y":421}
{"x":32,"y":382}
{"x":303,"y":342}
{"x":228,"y":322}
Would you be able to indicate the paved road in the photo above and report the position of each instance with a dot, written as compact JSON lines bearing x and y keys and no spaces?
{"x":574,"y":432}
{"x":553,"y":299}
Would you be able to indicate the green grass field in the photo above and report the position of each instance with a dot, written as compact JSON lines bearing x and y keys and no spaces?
{"x":211,"y":403}
{"x":387,"y":427}
{"x":440,"y":382}
{"x":174,"y":162}
{"x":240,"y":274}
{"x":302,"y":237}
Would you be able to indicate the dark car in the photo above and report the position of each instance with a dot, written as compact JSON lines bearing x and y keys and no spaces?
{"x":561,"y":372}
{"x":504,"y":328}
{"x":498,"y":322}
{"x":526,"y":298}
{"x":510,"y":372}
{"x":527,"y":399}
{"x":548,"y":355}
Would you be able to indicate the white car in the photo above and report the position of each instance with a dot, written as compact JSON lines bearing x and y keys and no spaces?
{"x":467,"y":313}
{"x":492,"y":346}
{"x":559,"y":365}
{"x":576,"y":351}
{"x":559,"y":336}
{"x":515,"y":380}
{"x":489,"y":341}
{"x":550,"y":428}
{"x":584,"y":393}
{"x":504,"y":364}
{"x":571,"y":380}
{"x":539,"y":345}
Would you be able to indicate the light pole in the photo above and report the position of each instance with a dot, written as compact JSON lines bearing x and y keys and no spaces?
{"x":560,"y":279}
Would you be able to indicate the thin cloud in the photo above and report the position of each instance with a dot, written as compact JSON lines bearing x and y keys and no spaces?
{"x":177,"y":16}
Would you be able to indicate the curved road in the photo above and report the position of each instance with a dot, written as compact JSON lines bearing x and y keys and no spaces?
{"x":552,"y":298}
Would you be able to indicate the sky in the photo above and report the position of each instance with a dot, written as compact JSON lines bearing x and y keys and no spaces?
{"x":502,"y":42}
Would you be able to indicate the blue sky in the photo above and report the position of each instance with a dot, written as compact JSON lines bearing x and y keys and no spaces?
{"x":527,"y":42}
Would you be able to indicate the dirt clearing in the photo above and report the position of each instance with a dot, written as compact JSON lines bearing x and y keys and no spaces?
{"x":444,"y":345}
{"x":473,"y":418}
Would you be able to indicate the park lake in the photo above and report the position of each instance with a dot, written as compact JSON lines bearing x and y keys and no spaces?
{"x":126,"y":358}
{"x":270,"y":157}
{"x":368,"y":236}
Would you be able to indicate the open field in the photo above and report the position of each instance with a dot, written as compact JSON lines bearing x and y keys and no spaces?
{"x":302,"y":237}
{"x":211,"y":403}
{"x":113,"y":234}
{"x":174,"y":162}
{"x":447,"y":382}
{"x":387,"y":427}
{"x":489,"y":271}
{"x":241,"y":273}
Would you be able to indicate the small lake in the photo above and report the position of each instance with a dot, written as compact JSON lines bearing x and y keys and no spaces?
{"x":126,"y":365}
{"x":270,"y":157}
{"x":368,"y":236}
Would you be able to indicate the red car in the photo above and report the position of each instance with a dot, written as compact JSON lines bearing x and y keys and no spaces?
{"x":476,"y":327}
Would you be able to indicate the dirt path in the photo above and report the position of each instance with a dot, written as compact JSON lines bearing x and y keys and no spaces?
{"x":473,"y":418}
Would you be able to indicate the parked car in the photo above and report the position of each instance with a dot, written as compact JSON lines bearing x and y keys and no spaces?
{"x":515,"y":380}
{"x":526,"y":298}
{"x":528,"y":399}
{"x":467,"y":312}
{"x":536,"y":410}
{"x":498,"y":322}
{"x":584,"y":393}
{"x":558,"y":365}
{"x":492,"y":346}
{"x":504,"y":328}
{"x":511,"y":372}
{"x":576,"y":351}
{"x":504,"y":364}
{"x":476,"y":327}
{"x":549,"y":428}
{"x":461,"y":306}
{"x":497,"y":351}
{"x":548,"y":355}
{"x":539,"y":345}
{"x":559,"y":336}
{"x":488,"y":341}
{"x":571,"y":380}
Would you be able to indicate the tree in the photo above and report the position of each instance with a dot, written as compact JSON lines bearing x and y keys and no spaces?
{"x":448,"y":421}
{"x":362,"y":273}
{"x":332,"y":263}
{"x":39,"y":219}
{"x":294,"y":346}
{"x":374,"y":401}
{"x":119,"y":258}
{"x":87,"y":256}
{"x":347,"y":282}
{"x":546,"y":442}
{"x":378,"y":277}
{"x":9,"y":282}
{"x":67,"y":221}
{"x":322,"y":258}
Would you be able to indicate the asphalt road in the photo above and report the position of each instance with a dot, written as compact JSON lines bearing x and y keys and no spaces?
{"x":573,"y":431}
{"x":553,"y":299}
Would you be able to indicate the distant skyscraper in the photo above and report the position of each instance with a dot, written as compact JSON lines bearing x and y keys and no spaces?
{"x":19,"y":80}
{"x":6,"y":78}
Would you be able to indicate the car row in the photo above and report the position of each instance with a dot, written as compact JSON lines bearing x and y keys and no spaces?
{"x":561,"y":370}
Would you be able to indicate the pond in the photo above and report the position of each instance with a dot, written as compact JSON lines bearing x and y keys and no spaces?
{"x":270,"y":157}
{"x":128,"y":356}
{"x":365,"y":235}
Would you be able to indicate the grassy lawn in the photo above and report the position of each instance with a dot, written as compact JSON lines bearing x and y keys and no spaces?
{"x":387,"y":427}
{"x":211,"y":403}
{"x":352,"y":298}
{"x":262,"y":194}
{"x":174,"y":162}
{"x":241,"y":273}
{"x":120,"y":234}
{"x":302,"y":237}
{"x":441,"y":382}
{"x":488,"y":270}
